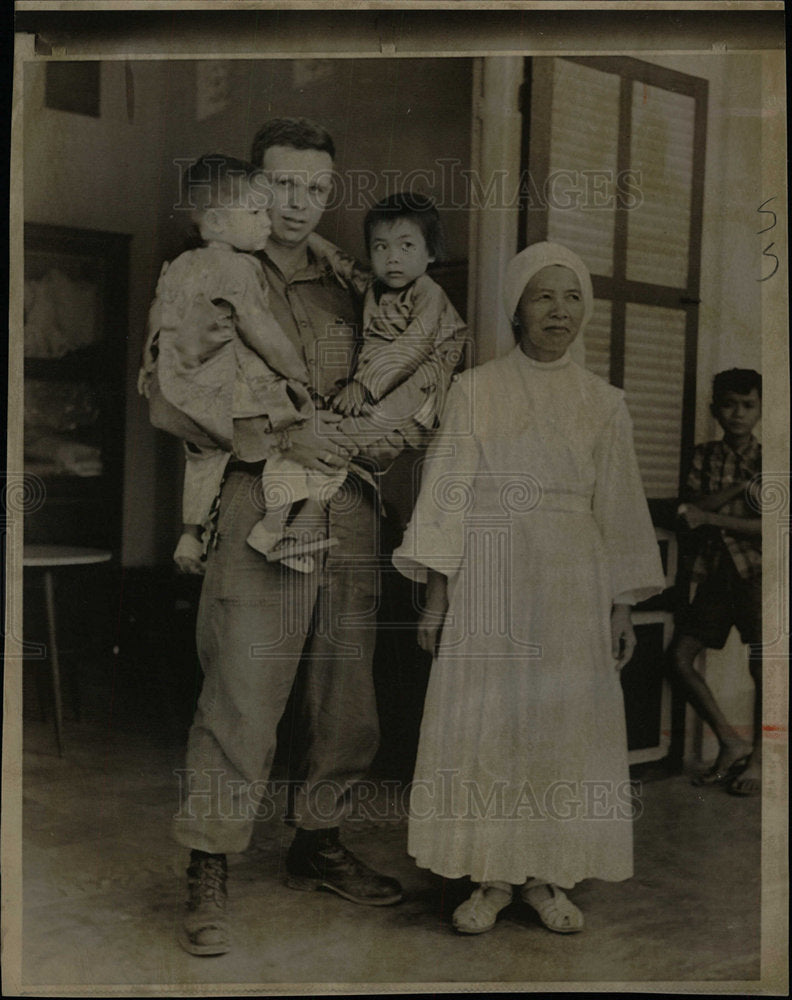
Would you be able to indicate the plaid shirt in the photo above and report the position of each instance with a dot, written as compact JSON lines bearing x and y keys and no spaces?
{"x":715,"y":467}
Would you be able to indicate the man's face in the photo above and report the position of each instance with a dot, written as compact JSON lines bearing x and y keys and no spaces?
{"x":301,"y":186}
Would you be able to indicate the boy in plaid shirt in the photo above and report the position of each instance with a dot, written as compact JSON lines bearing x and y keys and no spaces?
{"x":721,"y":506}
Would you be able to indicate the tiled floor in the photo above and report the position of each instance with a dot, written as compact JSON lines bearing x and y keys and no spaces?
{"x":103,"y":886}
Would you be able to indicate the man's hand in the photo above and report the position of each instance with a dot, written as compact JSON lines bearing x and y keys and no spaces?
{"x":320,"y":444}
{"x":622,"y":635}
{"x":381,"y":447}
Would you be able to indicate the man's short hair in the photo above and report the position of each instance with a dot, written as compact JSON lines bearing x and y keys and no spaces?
{"x":739,"y":380}
{"x":297,"y":133}
{"x":215,"y":180}
{"x":408,"y":205}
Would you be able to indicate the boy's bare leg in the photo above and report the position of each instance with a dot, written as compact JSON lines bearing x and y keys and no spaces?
{"x":749,"y":782}
{"x":732,"y":747}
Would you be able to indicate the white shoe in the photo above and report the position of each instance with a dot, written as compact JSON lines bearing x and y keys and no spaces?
{"x":479,"y":913}
{"x":262,"y":539}
{"x":277,"y":547}
{"x":302,"y":564}
{"x":290,"y":545}
{"x":556,"y":911}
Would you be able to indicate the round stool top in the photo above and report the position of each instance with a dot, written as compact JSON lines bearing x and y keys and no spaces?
{"x":63,"y":555}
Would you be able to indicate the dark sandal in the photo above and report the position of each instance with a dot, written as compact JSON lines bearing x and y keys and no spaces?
{"x":718,"y":776}
{"x":745,"y":786}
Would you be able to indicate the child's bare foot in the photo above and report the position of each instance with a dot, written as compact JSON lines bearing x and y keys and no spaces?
{"x":730,"y":761}
{"x":749,"y":782}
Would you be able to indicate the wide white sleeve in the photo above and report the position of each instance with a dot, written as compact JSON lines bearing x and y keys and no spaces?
{"x":628,"y":597}
{"x":622,"y":514}
{"x":435,"y":537}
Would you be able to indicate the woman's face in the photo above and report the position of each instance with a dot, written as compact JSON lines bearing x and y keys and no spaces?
{"x":550,"y":312}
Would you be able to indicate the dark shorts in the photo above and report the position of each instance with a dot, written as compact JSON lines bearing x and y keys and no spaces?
{"x":724,"y":599}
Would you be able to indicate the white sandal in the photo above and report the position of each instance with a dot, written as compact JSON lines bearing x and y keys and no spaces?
{"x":479,"y":913}
{"x":557,"y":912}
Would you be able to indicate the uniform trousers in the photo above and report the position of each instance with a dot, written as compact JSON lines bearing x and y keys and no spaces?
{"x":258,"y":622}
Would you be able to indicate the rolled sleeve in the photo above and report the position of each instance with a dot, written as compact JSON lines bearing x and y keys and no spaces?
{"x":203,"y":474}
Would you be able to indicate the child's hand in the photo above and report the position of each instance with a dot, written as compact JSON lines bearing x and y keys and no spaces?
{"x":694,"y":516}
{"x":353,"y":400}
{"x":622,"y":635}
{"x":188,"y":555}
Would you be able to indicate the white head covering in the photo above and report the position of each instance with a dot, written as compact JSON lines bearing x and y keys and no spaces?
{"x":530,"y":261}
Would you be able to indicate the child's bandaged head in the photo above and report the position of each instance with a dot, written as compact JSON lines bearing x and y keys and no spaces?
{"x":533,"y":259}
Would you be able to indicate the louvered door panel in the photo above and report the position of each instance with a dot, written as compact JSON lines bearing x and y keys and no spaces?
{"x":584,"y":140}
{"x":597,"y":339}
{"x":654,"y":369}
{"x":658,"y":228}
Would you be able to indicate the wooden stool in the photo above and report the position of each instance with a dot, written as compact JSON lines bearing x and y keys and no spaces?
{"x":50,"y":558}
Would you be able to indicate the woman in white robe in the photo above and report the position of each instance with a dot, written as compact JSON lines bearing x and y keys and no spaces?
{"x":534,"y":537}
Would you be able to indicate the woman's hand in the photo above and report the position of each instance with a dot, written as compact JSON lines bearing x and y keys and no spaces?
{"x":623,"y":639}
{"x":430,"y":625}
{"x":430,"y":622}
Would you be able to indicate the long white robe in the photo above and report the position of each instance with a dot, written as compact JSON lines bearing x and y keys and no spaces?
{"x":531,"y":504}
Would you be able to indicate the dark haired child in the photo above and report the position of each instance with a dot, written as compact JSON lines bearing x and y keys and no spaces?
{"x":408,"y":320}
{"x":721,"y":506}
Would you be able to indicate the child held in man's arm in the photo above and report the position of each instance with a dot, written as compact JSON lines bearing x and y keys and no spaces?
{"x":721,"y":506}
{"x":410,"y":328}
{"x":215,"y":351}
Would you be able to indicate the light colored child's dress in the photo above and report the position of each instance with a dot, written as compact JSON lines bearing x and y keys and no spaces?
{"x":531,"y":503}
{"x":218,"y":354}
